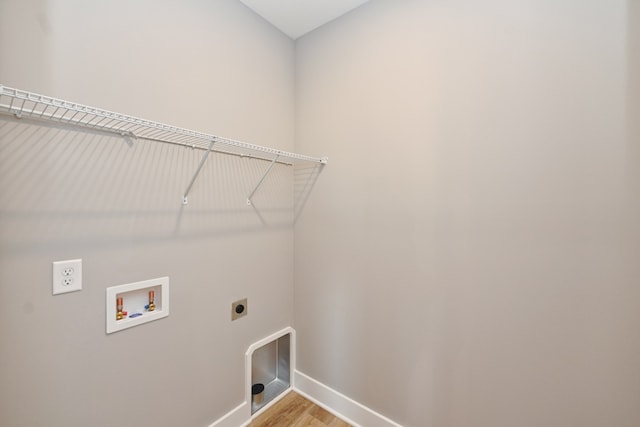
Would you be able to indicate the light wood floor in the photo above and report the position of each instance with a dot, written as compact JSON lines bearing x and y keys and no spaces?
{"x":294,"y":410}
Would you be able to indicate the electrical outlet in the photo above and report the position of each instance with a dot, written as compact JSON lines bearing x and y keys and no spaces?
{"x":239,"y":309}
{"x":67,"y":276}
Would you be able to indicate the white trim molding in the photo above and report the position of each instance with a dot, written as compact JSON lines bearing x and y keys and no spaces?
{"x":338,"y":404}
{"x":237,"y":417}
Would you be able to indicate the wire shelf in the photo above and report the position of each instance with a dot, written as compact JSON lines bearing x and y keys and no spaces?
{"x":21,"y":103}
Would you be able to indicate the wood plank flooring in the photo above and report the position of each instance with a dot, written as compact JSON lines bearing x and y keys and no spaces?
{"x":294,"y":410}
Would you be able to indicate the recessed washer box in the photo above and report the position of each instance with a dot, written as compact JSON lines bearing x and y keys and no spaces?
{"x":270,"y":362}
{"x":136,"y":302}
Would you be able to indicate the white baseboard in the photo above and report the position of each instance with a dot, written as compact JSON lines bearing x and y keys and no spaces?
{"x":333,"y":401}
{"x":338,"y":404}
{"x":238,"y":417}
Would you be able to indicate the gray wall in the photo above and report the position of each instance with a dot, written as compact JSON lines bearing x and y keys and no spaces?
{"x":470,"y":255}
{"x":211,"y":66}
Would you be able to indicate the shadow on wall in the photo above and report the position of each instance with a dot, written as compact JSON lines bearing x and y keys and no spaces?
{"x":305,"y":178}
{"x":64,"y":185}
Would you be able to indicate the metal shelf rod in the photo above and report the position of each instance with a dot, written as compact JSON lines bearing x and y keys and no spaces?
{"x":273,"y":162}
{"x":202,"y":161}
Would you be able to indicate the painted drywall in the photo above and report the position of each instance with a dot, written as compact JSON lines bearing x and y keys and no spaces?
{"x":212,"y":66}
{"x":470,"y":257}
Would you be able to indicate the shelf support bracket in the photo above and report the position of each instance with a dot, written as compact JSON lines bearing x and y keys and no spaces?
{"x":273,"y":162}
{"x":202,"y":161}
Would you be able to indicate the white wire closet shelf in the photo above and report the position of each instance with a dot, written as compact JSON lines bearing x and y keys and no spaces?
{"x":22,"y":103}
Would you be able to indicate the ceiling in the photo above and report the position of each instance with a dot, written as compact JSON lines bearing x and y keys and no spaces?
{"x":295,"y":18}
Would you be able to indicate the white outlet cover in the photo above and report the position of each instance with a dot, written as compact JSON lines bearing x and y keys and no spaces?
{"x":67,"y":276}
